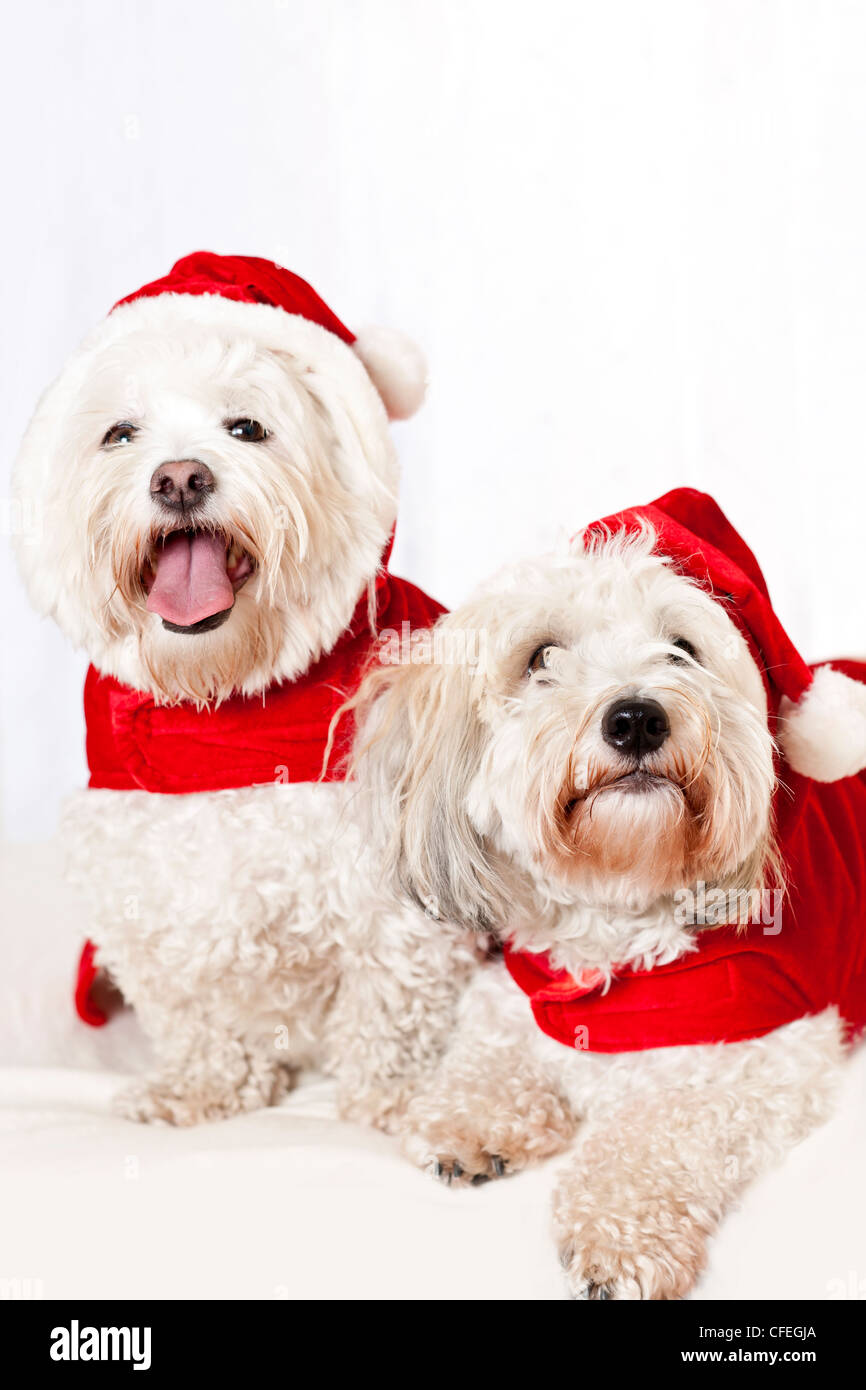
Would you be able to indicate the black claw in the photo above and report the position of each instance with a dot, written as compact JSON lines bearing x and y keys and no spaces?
{"x":437,"y":1170}
{"x":597,"y":1292}
{"x":497,"y":1165}
{"x":480,"y":1178}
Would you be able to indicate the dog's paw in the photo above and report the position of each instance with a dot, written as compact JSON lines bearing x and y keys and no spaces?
{"x":616,"y":1259}
{"x":165,"y":1103}
{"x":474,"y":1143}
{"x":152,"y":1103}
{"x":451,"y":1172}
{"x":173,"y":1101}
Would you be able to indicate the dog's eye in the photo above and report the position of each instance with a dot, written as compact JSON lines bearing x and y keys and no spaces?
{"x":685,"y":646}
{"x":250,"y":430}
{"x":121,"y":433}
{"x":538,"y":660}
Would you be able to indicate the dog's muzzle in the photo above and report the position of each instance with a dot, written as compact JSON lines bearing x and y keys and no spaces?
{"x":194,"y":569}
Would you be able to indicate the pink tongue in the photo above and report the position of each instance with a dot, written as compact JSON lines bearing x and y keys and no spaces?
{"x":191,"y":581}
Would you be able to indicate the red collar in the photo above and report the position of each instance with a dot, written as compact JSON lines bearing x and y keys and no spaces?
{"x":731,"y":988}
{"x":279,"y":736}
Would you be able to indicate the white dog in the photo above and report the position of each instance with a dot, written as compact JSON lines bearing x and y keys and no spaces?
{"x":587,"y":766}
{"x":214,"y":486}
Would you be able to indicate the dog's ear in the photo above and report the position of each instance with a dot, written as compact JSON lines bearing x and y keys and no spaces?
{"x":418,"y":747}
{"x":352,"y":431}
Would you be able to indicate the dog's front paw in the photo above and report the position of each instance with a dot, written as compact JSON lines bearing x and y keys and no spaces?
{"x":596,"y":1270}
{"x":652,"y":1254}
{"x":457,"y":1156}
{"x":471,"y":1141}
{"x":175,"y":1101}
{"x":162,"y":1103}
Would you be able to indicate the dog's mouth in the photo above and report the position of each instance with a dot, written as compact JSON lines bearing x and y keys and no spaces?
{"x":191,"y":577}
{"x":638,"y":781}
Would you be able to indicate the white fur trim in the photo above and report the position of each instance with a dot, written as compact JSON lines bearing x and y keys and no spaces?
{"x":396,"y":367}
{"x":824,"y":735}
{"x":272,"y":328}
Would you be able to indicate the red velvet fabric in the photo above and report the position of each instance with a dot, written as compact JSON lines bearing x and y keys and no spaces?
{"x":134,"y":744}
{"x":248,"y":279}
{"x":737,"y":984}
{"x":88,"y":973}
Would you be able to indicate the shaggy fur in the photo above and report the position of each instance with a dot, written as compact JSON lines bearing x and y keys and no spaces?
{"x":248,"y":928}
{"x":270,"y":949}
{"x":508,"y":810}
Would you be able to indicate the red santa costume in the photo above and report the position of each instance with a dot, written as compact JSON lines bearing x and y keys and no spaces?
{"x":742,"y":984}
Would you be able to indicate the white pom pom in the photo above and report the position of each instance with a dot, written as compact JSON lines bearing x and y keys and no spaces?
{"x":824,"y":735}
{"x":396,"y":367}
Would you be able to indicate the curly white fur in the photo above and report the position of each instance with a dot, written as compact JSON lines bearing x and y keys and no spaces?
{"x":509,"y":809}
{"x":251,"y":933}
{"x":247,"y":927}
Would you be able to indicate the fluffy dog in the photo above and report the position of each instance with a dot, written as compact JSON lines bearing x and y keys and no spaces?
{"x":587,"y":767}
{"x":215,"y":489}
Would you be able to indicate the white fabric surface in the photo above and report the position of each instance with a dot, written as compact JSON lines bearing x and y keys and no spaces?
{"x":292,"y":1203}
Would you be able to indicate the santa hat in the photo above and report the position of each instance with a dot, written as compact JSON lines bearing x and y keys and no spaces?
{"x":819,"y":716}
{"x":393,"y":363}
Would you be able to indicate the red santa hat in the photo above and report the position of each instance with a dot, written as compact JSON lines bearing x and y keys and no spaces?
{"x":393,"y":363}
{"x":819,"y":716}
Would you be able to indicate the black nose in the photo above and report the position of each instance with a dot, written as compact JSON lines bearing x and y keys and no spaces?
{"x":635,"y":727}
{"x":183,"y":486}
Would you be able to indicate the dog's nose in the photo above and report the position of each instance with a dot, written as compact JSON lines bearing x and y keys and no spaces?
{"x":183,"y":485}
{"x":635,"y":727}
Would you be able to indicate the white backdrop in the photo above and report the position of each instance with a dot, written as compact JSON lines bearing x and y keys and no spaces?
{"x":630,"y":236}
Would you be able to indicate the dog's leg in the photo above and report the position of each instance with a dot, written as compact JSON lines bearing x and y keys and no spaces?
{"x":492,"y":1106}
{"x":401,"y":978}
{"x":646,"y":1188}
{"x":205,"y":1074}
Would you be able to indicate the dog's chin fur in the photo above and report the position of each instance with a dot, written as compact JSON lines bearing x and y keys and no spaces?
{"x":242,"y":655}
{"x":312,"y":505}
{"x":629,"y":844}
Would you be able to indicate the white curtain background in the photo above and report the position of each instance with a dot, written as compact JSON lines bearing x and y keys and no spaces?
{"x":630,"y":237}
